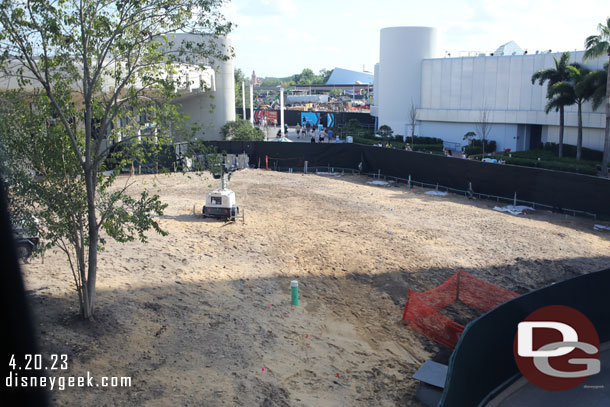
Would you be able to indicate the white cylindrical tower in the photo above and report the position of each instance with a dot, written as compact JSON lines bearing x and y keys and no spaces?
{"x":401,"y":52}
{"x":213,"y":108}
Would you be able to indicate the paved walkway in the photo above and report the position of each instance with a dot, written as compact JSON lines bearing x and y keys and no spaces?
{"x":292,"y":135}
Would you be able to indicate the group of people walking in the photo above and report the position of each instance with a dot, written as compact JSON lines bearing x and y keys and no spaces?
{"x":317,"y":133}
{"x":310,"y":129}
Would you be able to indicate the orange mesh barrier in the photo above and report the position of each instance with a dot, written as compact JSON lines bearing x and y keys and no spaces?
{"x":421,"y":310}
{"x":481,"y":294}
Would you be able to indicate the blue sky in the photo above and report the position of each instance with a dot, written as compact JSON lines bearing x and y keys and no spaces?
{"x":281,"y":37}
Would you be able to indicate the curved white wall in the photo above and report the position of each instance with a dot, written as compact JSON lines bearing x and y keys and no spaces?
{"x":401,"y":52}
{"x":212,"y":109}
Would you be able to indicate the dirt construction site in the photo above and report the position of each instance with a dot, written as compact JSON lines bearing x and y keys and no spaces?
{"x":203,"y":316}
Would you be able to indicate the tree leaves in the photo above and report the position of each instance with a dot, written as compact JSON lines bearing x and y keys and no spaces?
{"x":94,"y":94}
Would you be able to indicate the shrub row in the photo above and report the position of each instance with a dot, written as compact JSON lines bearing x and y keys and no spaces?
{"x":569,"y":150}
{"x":553,"y":165}
{"x":424,"y":140}
{"x":400,"y":145}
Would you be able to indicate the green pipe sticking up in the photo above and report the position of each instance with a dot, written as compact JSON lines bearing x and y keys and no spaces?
{"x":294,"y":288}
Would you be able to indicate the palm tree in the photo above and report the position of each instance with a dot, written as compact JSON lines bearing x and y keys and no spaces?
{"x":553,"y":76}
{"x":577,"y":90}
{"x":596,"y":45}
{"x":596,"y":80}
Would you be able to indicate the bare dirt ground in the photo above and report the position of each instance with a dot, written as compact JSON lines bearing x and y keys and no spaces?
{"x":203,"y":316}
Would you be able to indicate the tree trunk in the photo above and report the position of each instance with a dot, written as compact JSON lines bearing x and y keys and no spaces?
{"x":93,"y":242}
{"x":579,"y":140}
{"x":560,"y":132}
{"x":412,"y":133}
{"x":84,"y":294}
{"x":607,"y":131}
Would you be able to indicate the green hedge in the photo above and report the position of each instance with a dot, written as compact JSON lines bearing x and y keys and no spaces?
{"x":569,"y":150}
{"x":366,"y":140}
{"x":553,"y":165}
{"x":546,"y":155}
{"x":475,"y":147}
{"x":424,"y":140}
{"x":427,"y":147}
{"x":397,"y":138}
{"x":400,"y":145}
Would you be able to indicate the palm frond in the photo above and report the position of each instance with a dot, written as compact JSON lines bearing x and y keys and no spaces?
{"x":595,"y":83}
{"x":544,"y":75}
{"x":604,"y":30}
{"x":563,"y":61}
{"x":596,"y":45}
{"x":561,"y":89}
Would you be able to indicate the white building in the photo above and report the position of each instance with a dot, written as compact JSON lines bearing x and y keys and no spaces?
{"x":451,"y":93}
{"x":206,"y":95}
{"x":212,"y":106}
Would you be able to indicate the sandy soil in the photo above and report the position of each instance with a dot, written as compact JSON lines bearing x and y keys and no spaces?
{"x":203,"y":316}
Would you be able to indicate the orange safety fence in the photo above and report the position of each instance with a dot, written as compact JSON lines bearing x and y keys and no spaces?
{"x":300,"y":160}
{"x":422,"y":309}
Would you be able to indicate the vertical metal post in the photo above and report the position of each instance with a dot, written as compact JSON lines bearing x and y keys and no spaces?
{"x":252,"y":104}
{"x":243,"y":99}
{"x":282,"y":110}
{"x":305,"y":168}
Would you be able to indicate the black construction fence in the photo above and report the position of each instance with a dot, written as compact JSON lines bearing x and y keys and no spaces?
{"x":483,"y":362}
{"x":557,"y":190}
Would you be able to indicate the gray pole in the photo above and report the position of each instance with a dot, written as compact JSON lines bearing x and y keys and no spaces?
{"x":282,"y":110}
{"x":252,"y":104}
{"x":243,"y":97}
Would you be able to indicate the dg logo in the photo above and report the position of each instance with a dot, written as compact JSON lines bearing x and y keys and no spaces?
{"x":557,"y":348}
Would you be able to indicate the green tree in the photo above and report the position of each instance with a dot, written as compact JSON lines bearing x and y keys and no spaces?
{"x":241,"y":130}
{"x":577,"y":90}
{"x":552,"y":76}
{"x":239,"y":78}
{"x":271,"y":82}
{"x":595,"y":46}
{"x":385,"y":132}
{"x":83,"y":67}
{"x":353,"y":127}
{"x":306,"y":77}
{"x":325,"y":74}
{"x":596,"y":80}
